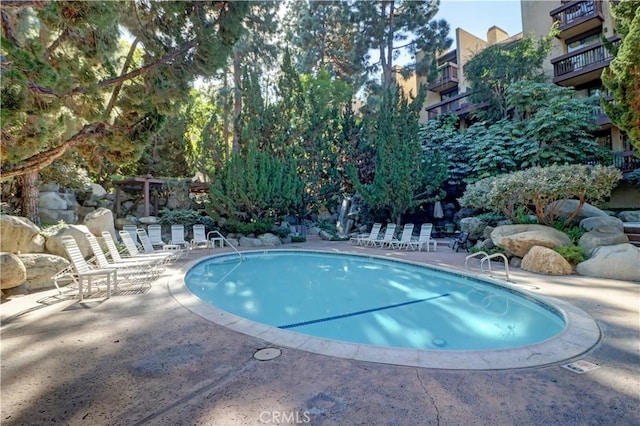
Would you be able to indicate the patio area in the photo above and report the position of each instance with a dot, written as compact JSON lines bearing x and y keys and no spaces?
{"x":143,"y":358}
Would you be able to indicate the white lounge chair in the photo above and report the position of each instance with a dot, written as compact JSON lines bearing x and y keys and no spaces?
{"x":114,"y":253}
{"x":406,"y":239}
{"x":133,"y":251}
{"x":199,"y":239}
{"x":367,"y":239}
{"x":155,"y":235}
{"x":132,"y":230}
{"x":425,"y":237}
{"x":133,"y":272}
{"x":84,"y":272}
{"x":177,"y":236}
{"x":388,"y":237}
{"x":147,"y":248}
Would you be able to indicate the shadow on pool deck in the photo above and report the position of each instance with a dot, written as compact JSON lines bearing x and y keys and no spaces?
{"x":142,"y":358}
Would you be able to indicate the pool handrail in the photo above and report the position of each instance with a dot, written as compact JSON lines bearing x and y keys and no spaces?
{"x":220,"y":236}
{"x":489,"y":257}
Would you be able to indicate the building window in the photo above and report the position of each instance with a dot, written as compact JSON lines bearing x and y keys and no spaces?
{"x":583,"y":42}
{"x":450,"y":94}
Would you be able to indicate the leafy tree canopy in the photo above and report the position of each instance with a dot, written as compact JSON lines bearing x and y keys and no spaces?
{"x":492,"y":70}
{"x":69,"y":84}
{"x":622,"y":77}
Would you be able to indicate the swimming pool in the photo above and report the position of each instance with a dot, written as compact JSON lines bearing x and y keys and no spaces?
{"x":365,"y":303}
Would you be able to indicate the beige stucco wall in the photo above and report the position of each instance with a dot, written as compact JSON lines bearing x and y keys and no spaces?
{"x":536,"y":23}
{"x":467,"y":45}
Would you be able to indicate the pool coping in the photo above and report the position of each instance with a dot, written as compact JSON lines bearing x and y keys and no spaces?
{"x":578,"y":337}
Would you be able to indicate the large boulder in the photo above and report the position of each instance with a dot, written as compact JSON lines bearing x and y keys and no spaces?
{"x":97,"y":191}
{"x":250,"y":242}
{"x":602,"y":237}
{"x":20,"y":235}
{"x":629,"y":216}
{"x":619,"y":262}
{"x":52,"y":201}
{"x":41,"y":268}
{"x":49,"y":216}
{"x":13,"y":270}
{"x":542,"y":260}
{"x":54,"y":242}
{"x":565,"y":208}
{"x":474,"y":226}
{"x":602,"y":222}
{"x":518,"y":239}
{"x":100,"y":220}
{"x":270,"y":239}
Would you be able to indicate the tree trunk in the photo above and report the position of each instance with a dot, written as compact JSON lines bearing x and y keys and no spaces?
{"x":237,"y":102}
{"x":30,"y":196}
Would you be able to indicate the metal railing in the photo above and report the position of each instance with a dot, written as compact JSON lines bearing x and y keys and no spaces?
{"x":589,"y":57}
{"x":488,"y":257}
{"x":576,"y":11}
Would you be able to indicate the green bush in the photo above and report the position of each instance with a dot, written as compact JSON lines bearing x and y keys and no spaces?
{"x":538,"y":187}
{"x":298,"y":239}
{"x":256,"y":227}
{"x":573,"y":254}
{"x":573,"y":232}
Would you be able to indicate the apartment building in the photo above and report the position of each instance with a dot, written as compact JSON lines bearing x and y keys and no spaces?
{"x":578,"y":57}
{"x":449,"y":92}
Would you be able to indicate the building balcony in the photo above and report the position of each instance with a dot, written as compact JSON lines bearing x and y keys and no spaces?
{"x":577,"y":16}
{"x":583,"y":65}
{"x":459,"y":105}
{"x":447,"y":78}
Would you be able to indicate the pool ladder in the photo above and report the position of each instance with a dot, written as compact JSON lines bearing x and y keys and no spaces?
{"x":488,"y":257}
{"x":221,"y":237}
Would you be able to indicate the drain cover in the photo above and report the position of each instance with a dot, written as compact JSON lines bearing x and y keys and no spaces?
{"x":267,"y":354}
{"x":581,"y":366}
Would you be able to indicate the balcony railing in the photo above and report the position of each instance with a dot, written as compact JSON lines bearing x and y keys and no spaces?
{"x":577,"y":16}
{"x":447,"y":78}
{"x":458,"y":105}
{"x":585,"y":60}
{"x":626,"y":161}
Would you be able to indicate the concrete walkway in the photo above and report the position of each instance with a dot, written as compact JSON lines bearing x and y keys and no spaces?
{"x":141,"y":357}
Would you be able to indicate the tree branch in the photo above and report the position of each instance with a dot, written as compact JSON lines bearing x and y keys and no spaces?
{"x":45,"y":158}
{"x":34,"y":87}
{"x":118,"y":86}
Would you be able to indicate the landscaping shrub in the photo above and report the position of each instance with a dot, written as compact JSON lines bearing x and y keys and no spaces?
{"x":573,"y":254}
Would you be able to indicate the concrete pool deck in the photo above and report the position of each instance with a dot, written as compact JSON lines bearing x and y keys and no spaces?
{"x":141,"y":357}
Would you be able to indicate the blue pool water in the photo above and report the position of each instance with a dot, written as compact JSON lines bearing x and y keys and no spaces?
{"x":372,"y":301}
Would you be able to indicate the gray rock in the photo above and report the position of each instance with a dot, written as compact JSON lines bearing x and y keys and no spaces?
{"x":619,"y":262}
{"x":250,"y":242}
{"x":515,"y":262}
{"x":543,"y":260}
{"x":97,"y":190}
{"x":270,"y":239}
{"x":629,"y":216}
{"x":314,"y":230}
{"x":13,"y":270}
{"x":41,"y":268}
{"x":149,"y":220}
{"x":327,"y":236}
{"x":565,"y":208}
{"x":101,"y":220}
{"x":50,"y":187}
{"x":54,"y":242}
{"x":474,"y":226}
{"x":52,"y":201}
{"x":20,"y":235}
{"x":518,"y":239}
{"x":602,"y":237}
{"x":52,"y":217}
{"x":599,"y":222}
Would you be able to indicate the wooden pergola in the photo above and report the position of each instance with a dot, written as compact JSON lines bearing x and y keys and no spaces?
{"x":144,"y":183}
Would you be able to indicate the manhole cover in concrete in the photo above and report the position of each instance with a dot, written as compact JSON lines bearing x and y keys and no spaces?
{"x":581,"y":366}
{"x":267,"y":354}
